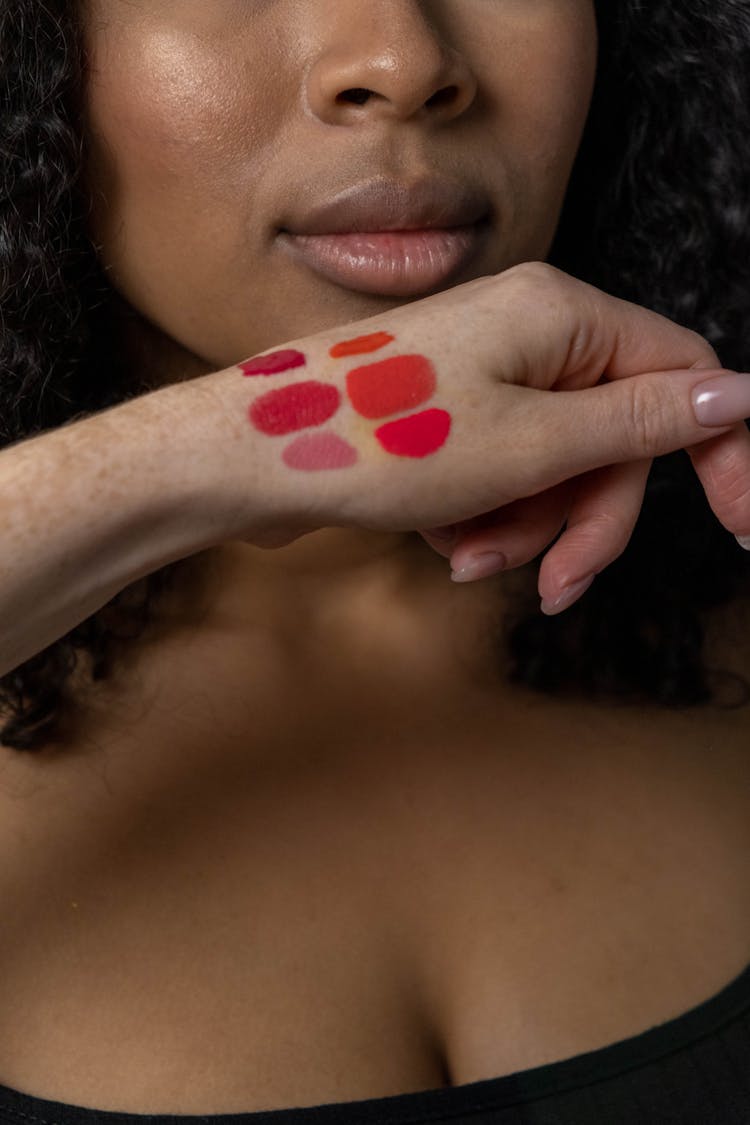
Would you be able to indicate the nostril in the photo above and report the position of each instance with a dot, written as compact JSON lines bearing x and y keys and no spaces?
{"x":357,"y":94}
{"x":442,"y":97}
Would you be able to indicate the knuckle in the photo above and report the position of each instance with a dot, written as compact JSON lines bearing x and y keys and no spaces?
{"x":606,"y":534}
{"x":647,"y":418}
{"x":534,"y":275}
{"x":551,"y":293}
{"x":707,"y":357}
{"x":730,"y":483}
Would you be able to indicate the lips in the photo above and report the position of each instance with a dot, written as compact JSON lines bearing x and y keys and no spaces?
{"x":390,"y":263}
{"x":385,"y":238}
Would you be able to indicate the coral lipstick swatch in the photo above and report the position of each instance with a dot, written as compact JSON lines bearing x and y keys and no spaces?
{"x":390,"y":386}
{"x":374,"y":390}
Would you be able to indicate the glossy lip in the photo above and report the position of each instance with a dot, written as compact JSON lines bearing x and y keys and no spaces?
{"x":395,"y":263}
{"x":388,"y":238}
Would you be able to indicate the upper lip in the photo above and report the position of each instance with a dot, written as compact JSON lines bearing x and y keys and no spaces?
{"x":383,"y":205}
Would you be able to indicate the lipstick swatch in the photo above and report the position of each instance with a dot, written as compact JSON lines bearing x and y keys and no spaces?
{"x":390,"y":386}
{"x":273,"y":363}
{"x":415,"y":436}
{"x":361,"y":345}
{"x":319,"y":451}
{"x":375,"y":390}
{"x":295,"y":407}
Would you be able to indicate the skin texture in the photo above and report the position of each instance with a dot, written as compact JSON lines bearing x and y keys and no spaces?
{"x":209,"y":123}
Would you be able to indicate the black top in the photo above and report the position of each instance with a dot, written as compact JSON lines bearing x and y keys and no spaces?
{"x":691,"y":1070}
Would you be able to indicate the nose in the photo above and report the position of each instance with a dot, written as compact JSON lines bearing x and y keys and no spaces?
{"x":382,"y":60}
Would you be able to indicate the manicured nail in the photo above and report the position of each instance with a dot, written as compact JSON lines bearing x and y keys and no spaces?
{"x":480,"y":566}
{"x":721,"y":401}
{"x":744,"y":542}
{"x":567,"y":597}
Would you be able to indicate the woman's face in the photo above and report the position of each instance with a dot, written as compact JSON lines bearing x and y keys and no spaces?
{"x":218,"y":129}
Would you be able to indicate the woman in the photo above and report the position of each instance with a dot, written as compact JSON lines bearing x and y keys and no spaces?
{"x":316,"y":843}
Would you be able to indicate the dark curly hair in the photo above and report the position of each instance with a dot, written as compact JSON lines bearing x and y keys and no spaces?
{"x":657,"y":212}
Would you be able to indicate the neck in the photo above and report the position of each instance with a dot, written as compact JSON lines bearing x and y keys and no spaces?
{"x":340,"y":595}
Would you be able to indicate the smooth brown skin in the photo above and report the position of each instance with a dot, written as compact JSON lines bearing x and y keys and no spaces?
{"x":308,"y":846}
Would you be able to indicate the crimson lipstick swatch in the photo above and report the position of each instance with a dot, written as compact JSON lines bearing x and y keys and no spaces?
{"x":295,"y":407}
{"x":274,"y":363}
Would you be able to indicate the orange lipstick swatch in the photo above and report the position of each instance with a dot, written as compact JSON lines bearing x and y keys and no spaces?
{"x":361,"y":345}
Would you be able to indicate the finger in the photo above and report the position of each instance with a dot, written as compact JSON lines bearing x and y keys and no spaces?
{"x":441,"y":539}
{"x":602,"y":517}
{"x":723,"y":468}
{"x":518,"y":533}
{"x":633,"y":419}
{"x":590,"y":333}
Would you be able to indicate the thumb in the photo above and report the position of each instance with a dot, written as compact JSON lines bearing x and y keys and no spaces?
{"x":643,"y":416}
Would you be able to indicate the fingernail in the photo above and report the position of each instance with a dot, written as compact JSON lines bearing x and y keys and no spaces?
{"x":568,"y":596}
{"x":744,"y":541}
{"x":724,"y":400}
{"x":481,"y":566}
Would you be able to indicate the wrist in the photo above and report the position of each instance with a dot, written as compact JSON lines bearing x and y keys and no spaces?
{"x":232,"y":480}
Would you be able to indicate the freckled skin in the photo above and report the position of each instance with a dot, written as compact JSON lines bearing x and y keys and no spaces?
{"x":207,"y":122}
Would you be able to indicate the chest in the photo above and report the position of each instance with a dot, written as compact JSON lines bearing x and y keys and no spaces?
{"x":306,"y":929}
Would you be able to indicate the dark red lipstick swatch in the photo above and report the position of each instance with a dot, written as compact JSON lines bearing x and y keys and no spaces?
{"x":273,"y":363}
{"x":295,"y":407}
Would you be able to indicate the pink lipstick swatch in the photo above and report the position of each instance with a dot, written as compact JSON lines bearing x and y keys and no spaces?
{"x":295,"y":407}
{"x":273,"y":363}
{"x":361,"y":345}
{"x":415,"y":436}
{"x":319,"y":451}
{"x":391,"y":385}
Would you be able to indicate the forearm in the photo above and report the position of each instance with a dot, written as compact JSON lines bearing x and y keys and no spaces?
{"x":88,"y":509}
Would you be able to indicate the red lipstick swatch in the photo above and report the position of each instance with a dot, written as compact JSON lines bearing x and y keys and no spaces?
{"x":415,"y":436}
{"x":273,"y":363}
{"x":391,"y":385}
{"x":319,"y":451}
{"x":361,"y":345}
{"x":295,"y":407}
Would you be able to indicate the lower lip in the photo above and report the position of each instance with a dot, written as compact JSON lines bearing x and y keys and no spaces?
{"x":401,"y":263}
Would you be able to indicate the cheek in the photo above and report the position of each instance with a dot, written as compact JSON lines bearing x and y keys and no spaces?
{"x":554,"y":80}
{"x":178,"y":134}
{"x":171,"y":117}
{"x":542,"y":94}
